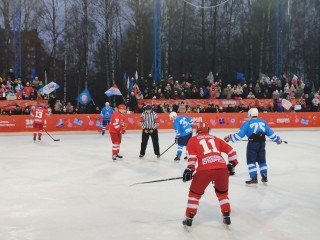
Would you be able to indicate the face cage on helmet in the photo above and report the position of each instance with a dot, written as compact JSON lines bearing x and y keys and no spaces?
{"x":206,"y":132}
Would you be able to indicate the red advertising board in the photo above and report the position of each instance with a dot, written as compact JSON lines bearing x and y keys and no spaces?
{"x":89,"y":122}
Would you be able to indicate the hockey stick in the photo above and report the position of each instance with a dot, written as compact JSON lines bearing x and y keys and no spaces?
{"x":167,"y":149}
{"x":247,"y":140}
{"x":51,"y":136}
{"x":162,"y":180}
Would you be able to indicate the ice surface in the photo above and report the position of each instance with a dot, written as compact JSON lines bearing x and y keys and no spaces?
{"x":73,"y":190}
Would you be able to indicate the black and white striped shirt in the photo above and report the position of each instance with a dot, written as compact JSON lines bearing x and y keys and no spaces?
{"x":149,"y":120}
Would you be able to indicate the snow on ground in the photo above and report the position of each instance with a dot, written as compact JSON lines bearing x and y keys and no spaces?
{"x":73,"y":190}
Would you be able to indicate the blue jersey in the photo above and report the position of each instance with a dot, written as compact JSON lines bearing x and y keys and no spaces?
{"x":106,"y":113}
{"x":254,"y":126}
{"x":183,"y":126}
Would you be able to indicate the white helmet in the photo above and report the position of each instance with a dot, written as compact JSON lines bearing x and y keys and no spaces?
{"x":253,"y":112}
{"x":173,"y":115}
{"x":107,"y":104}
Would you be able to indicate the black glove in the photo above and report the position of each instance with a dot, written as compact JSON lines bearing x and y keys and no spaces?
{"x":187,"y":175}
{"x":176,"y":140}
{"x":231,"y":168}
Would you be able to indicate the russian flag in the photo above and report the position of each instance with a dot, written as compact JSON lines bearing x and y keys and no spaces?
{"x":114,"y":90}
{"x":240,"y":75}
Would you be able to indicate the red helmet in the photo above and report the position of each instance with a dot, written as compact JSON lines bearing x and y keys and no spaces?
{"x":203,"y":128}
{"x":122,"y":106}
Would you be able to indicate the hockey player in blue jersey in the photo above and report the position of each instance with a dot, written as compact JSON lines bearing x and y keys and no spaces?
{"x":255,"y":129}
{"x":183,"y":128}
{"x":106,"y":114}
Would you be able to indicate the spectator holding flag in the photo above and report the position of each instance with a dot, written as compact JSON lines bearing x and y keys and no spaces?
{"x":114,"y":91}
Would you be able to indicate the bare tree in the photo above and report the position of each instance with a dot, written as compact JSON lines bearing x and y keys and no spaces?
{"x":53,"y":29}
{"x":213,"y":39}
{"x":29,"y":12}
{"x":5,"y":11}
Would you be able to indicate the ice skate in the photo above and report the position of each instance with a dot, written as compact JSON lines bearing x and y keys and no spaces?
{"x":226,"y":219}
{"x":103,"y":132}
{"x":187,"y":223}
{"x":114,"y":157}
{"x":158,"y":156}
{"x":253,"y":180}
{"x":34,"y":138}
{"x":185,"y":158}
{"x":39,"y":138}
{"x":177,"y":158}
{"x":119,"y":156}
{"x":141,"y":156}
{"x":264,"y":178}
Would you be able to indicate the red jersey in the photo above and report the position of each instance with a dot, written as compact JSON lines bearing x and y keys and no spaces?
{"x":27,"y":91}
{"x":39,"y":114}
{"x":117,"y":122}
{"x":206,"y":150}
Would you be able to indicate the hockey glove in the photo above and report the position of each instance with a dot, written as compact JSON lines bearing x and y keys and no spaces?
{"x":228,"y":138}
{"x":279,"y":141}
{"x":123,"y":131}
{"x":187,"y":175}
{"x":176,"y":140}
{"x":231,"y":168}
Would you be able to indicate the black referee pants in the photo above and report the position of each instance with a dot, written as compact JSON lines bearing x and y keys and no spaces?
{"x":155,"y":141}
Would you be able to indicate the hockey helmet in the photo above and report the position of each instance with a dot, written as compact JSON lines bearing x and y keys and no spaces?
{"x":203,"y":128}
{"x":173,"y":115}
{"x":122,"y":107}
{"x":253,"y":112}
{"x":148,"y":107}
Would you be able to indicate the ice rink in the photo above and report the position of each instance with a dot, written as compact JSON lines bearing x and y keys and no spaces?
{"x":73,"y":190}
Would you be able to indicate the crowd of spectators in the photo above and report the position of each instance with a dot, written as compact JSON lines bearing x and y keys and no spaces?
{"x":180,"y":89}
{"x":186,"y":88}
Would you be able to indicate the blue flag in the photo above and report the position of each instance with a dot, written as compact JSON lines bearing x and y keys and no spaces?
{"x":33,"y":73}
{"x":125,"y":77}
{"x":84,"y":98}
{"x":240,"y":76}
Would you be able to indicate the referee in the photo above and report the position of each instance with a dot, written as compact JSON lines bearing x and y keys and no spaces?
{"x":149,"y":122}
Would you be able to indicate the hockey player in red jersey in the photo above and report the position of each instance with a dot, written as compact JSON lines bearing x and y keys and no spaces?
{"x":38,"y":113}
{"x":205,"y":151}
{"x":117,"y":128}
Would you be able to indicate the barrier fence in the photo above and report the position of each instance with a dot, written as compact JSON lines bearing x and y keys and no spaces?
{"x":90,"y":122}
